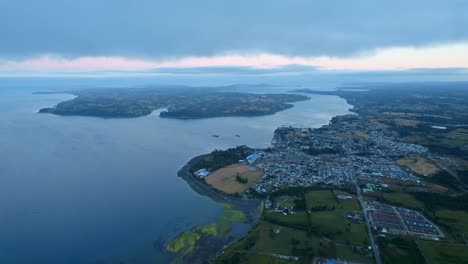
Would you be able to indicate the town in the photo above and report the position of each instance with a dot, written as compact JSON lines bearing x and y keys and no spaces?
{"x":385,"y":185}
{"x":340,"y":152}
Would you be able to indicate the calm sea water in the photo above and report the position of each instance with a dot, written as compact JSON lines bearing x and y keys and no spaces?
{"x":90,"y":190}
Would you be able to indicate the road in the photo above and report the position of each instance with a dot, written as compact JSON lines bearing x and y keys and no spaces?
{"x":369,"y":230}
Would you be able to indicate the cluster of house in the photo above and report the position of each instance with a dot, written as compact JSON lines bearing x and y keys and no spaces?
{"x":371,"y":187}
{"x":354,"y":216}
{"x":333,"y":155}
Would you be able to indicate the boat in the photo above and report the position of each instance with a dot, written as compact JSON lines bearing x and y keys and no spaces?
{"x":214,"y":135}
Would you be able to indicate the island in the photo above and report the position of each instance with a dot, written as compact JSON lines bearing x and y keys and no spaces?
{"x":180,"y":102}
{"x":387,"y":184}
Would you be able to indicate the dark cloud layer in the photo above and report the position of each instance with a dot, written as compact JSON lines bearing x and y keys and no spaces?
{"x":165,"y":29}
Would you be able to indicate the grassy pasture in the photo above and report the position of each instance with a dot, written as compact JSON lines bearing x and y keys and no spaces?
{"x":224,"y":179}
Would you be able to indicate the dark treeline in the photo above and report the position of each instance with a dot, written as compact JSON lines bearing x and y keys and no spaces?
{"x":222,"y":158}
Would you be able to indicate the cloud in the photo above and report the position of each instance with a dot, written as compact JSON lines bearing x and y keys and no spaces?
{"x":167,"y":30}
{"x":445,"y":56}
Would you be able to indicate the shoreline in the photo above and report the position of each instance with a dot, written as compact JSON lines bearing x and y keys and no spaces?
{"x":207,"y":248}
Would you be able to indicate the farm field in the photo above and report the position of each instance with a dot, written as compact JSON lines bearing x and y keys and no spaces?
{"x":224,"y":179}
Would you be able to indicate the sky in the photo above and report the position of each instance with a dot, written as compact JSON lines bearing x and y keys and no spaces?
{"x":212,"y":36}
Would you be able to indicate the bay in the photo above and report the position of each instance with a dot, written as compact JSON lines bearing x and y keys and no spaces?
{"x":91,"y":190}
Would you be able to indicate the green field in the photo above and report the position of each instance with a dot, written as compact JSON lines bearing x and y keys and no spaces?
{"x":333,"y":225}
{"x":321,"y":200}
{"x":262,"y":241}
{"x":399,"y":250}
{"x":262,"y":258}
{"x":439,"y":253}
{"x":278,"y":243}
{"x":326,"y":200}
{"x":323,"y":232}
{"x":346,"y":252}
{"x":351,"y":205}
{"x":453,"y":222}
{"x":403,"y":200}
{"x":298,"y":220}
{"x":286,"y":201}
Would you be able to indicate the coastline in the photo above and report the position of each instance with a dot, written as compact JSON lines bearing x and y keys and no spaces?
{"x":209,"y":247}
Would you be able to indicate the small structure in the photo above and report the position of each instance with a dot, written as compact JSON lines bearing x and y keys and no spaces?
{"x":277,"y":231}
{"x":202,"y":172}
{"x":252,"y":157}
{"x":268,"y":203}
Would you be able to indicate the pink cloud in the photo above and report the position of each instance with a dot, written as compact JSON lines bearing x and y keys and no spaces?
{"x":48,"y":63}
{"x":444,"y":56}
